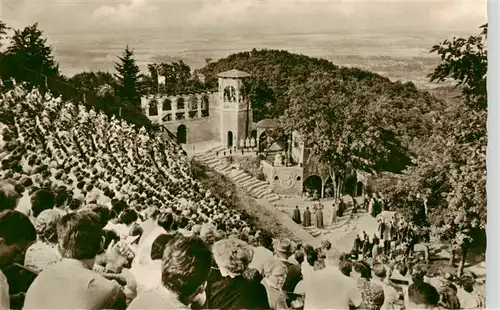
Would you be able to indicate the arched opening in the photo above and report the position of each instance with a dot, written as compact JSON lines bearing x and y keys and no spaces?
{"x":329,"y":188}
{"x":229,"y":94}
{"x":205,"y":106}
{"x":312,"y":185}
{"x":167,"y":105}
{"x":193,"y":103}
{"x":153,"y":107}
{"x":181,"y":134}
{"x":229,"y":139}
{"x":180,"y":104}
{"x":360,"y":189}
{"x":263,"y":142}
{"x":350,"y":185}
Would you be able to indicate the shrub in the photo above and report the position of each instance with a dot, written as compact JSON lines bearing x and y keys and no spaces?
{"x":261,"y":176}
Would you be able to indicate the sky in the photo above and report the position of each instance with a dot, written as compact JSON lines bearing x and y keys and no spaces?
{"x":240,"y":16}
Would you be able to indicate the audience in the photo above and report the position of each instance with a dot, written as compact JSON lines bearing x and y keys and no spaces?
{"x":275,"y":272}
{"x":17,"y":233}
{"x":97,"y":214}
{"x":234,"y":291}
{"x":184,"y":272}
{"x":422,"y":295}
{"x":71,"y":283}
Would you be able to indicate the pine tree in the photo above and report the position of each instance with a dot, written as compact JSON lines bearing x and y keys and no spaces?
{"x":128,"y":73}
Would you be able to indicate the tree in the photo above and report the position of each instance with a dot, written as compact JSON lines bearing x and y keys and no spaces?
{"x":3,"y":31}
{"x":452,"y":171}
{"x":92,"y":81}
{"x":465,"y":61}
{"x":29,"y":59}
{"x":128,"y":74}
{"x":341,"y":126}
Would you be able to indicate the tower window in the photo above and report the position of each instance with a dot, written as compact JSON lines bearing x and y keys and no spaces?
{"x":229,"y":94}
{"x":180,"y":104}
{"x":153,"y":107}
{"x":167,"y":105}
{"x":193,"y":102}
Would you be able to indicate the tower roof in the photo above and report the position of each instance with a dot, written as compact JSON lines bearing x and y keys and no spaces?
{"x":233,"y":74}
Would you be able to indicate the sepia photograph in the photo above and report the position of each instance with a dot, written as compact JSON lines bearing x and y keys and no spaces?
{"x":243,"y":154}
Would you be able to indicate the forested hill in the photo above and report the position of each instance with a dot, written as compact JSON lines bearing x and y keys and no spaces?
{"x":278,"y":75}
{"x":275,"y":72}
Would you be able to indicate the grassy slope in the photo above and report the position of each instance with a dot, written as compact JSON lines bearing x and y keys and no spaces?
{"x":255,"y":214}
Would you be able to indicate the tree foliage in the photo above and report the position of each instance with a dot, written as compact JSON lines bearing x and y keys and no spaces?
{"x":178,"y":79}
{"x":406,"y":111}
{"x":127,"y":76}
{"x":341,"y":125}
{"x":450,"y":170}
{"x":3,"y":31}
{"x":93,"y":81}
{"x":28,"y":58}
{"x":465,"y":61}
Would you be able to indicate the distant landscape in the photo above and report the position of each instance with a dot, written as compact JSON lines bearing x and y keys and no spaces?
{"x":397,"y":56}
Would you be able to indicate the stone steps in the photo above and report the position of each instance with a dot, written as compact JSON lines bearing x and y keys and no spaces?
{"x":247,"y":182}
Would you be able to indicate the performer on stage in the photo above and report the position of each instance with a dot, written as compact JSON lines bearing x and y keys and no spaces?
{"x":296,"y":215}
{"x":319,"y":217}
{"x":307,"y":217}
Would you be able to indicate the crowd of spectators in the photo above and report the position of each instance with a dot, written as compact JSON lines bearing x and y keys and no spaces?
{"x":95,"y":214}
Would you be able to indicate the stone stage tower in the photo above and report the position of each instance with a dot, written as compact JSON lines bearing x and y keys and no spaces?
{"x":236,"y":116}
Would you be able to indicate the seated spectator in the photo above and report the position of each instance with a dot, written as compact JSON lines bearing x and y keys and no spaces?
{"x":421,"y":295}
{"x":17,"y":233}
{"x":149,"y":224}
{"x":233,"y":257}
{"x":390,"y":294}
{"x":448,"y":298}
{"x":468,"y":296}
{"x":261,"y":253}
{"x":184,"y":271}
{"x":44,"y":252}
{"x":103,"y":213}
{"x":283,"y":251}
{"x":330,"y":288}
{"x":148,"y":276}
{"x":372,"y":293}
{"x":274,"y":277}
{"x":71,"y":283}
{"x":41,"y":200}
{"x":143,"y":251}
{"x":8,"y":196}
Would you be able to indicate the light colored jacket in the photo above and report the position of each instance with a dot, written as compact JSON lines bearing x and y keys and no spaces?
{"x":69,"y":284}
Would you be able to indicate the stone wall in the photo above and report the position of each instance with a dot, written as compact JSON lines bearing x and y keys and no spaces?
{"x":284,"y":180}
{"x":198,"y":130}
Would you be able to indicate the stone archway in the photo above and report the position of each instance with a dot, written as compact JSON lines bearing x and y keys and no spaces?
{"x":182,"y":134}
{"x":351,"y":185}
{"x":313,"y":183}
{"x":360,"y":189}
{"x":329,"y":188}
